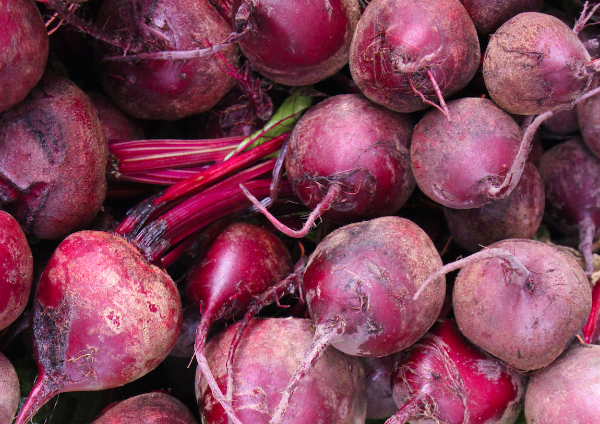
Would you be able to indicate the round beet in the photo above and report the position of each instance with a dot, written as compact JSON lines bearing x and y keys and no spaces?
{"x":24,"y":47}
{"x":9,"y":391}
{"x":461,"y":163}
{"x":164,"y":89}
{"x":446,"y":379}
{"x":54,"y":155}
{"x":332,"y":392}
{"x":102,"y":317}
{"x":535,"y":63}
{"x":517,"y":216}
{"x":296,"y":42}
{"x":16,"y":270}
{"x":403,"y":49}
{"x":150,"y":408}
{"x":524,"y":320}
{"x":115,"y":124}
{"x":569,"y":387}
{"x":361,"y":147}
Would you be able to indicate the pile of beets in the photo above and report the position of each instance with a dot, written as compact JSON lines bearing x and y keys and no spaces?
{"x":299,"y":212}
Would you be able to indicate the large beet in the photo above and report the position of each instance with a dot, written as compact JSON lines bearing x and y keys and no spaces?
{"x":102,"y":317}
{"x":24,"y":47}
{"x":164,"y":89}
{"x":52,"y":160}
{"x":400,"y":46}
{"x":333,"y":392}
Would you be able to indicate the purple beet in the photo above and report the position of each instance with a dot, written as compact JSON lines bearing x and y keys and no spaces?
{"x":333,"y":392}
{"x":164,"y":89}
{"x":588,"y":118}
{"x":296,"y":42}
{"x":378,"y":373}
{"x":54,"y":155}
{"x":115,"y":124}
{"x":446,"y":379}
{"x":24,"y":47}
{"x":406,"y":55}
{"x":488,"y":15}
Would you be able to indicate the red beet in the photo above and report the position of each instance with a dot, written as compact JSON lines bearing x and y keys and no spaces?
{"x":296,"y":43}
{"x":53,"y":160}
{"x":102,"y":317}
{"x":16,"y":270}
{"x":444,"y":378}
{"x":566,"y":388}
{"x":9,"y":391}
{"x":588,"y":113}
{"x":150,"y":408}
{"x":333,"y":392}
{"x":463,"y":163}
{"x":488,"y":15}
{"x":535,"y":63}
{"x":24,"y":47}
{"x":164,"y":89}
{"x":401,"y":47}
{"x":115,"y":124}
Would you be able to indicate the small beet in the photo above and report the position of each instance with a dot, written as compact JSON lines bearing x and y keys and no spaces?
{"x":150,"y":408}
{"x":9,"y":391}
{"x":54,"y":155}
{"x":24,"y":46}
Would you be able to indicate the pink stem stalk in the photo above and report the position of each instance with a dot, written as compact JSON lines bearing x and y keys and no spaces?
{"x":44,"y":390}
{"x":592,"y":322}
{"x":409,"y":411}
{"x":587,"y":230}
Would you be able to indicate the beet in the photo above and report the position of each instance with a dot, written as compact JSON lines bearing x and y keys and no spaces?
{"x":150,"y":408}
{"x":296,"y":43}
{"x":589,"y":123}
{"x":115,"y":124}
{"x":16,"y":270}
{"x":463,"y":163}
{"x":535,"y":63}
{"x":54,"y":155}
{"x":9,"y":391}
{"x":566,"y":388}
{"x":24,"y":46}
{"x":524,"y":320}
{"x":517,"y":216}
{"x":102,"y":317}
{"x":401,"y":47}
{"x":158,"y":88}
{"x":333,"y":392}
{"x":378,"y":373}
{"x":488,"y":15}
{"x":444,"y":378}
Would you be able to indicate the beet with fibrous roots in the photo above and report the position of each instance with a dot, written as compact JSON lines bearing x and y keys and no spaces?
{"x":296,"y":42}
{"x":518,"y":215}
{"x":535,"y":63}
{"x":102,"y":317}
{"x":16,"y":270}
{"x":9,"y":391}
{"x":488,"y":15}
{"x":444,"y":378}
{"x":164,"y":89}
{"x":24,"y":47}
{"x":149,"y":408}
{"x":569,"y":387}
{"x":53,"y":160}
{"x":463,"y":163}
{"x":403,"y":52}
{"x":526,"y":315}
{"x":348,"y":159}
{"x":333,"y":392}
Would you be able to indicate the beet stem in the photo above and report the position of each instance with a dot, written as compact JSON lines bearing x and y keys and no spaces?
{"x":587,"y":230}
{"x":333,"y":194}
{"x":45,"y":388}
{"x":592,"y":322}
{"x":408,"y":411}
{"x":323,"y":338}
{"x":514,"y":265}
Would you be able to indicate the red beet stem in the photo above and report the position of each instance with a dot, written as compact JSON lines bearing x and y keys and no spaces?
{"x":409,"y":410}
{"x":45,"y":388}
{"x":592,"y":322}
{"x":165,"y":177}
{"x":333,"y":194}
{"x":513,"y":264}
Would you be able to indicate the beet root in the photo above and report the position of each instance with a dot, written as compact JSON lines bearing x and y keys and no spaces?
{"x":16,"y":270}
{"x":150,"y":408}
{"x":526,"y":321}
{"x":266,"y":359}
{"x":535,"y":63}
{"x":488,"y":15}
{"x":403,"y":52}
{"x":54,"y":155}
{"x":566,"y":388}
{"x":24,"y":46}
{"x":102,"y":317}
{"x":444,"y":378}
{"x":285,"y":41}
{"x":588,"y":113}
{"x":9,"y":391}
